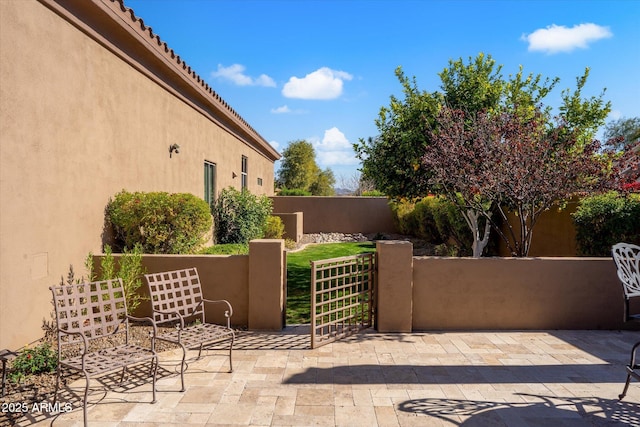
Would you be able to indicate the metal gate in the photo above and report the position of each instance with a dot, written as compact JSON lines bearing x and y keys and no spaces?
{"x":342,"y":297}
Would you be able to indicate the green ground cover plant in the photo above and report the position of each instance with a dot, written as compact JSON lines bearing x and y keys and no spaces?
{"x":299,"y":274}
{"x":32,"y":361}
{"x":128,"y":268}
{"x":227,"y":249}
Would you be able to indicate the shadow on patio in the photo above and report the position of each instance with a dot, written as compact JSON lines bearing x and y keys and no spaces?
{"x":537,"y":410}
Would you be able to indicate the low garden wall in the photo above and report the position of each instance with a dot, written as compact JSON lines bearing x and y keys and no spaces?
{"x":495,"y":293}
{"x":253,"y":283}
{"x":423,"y":293}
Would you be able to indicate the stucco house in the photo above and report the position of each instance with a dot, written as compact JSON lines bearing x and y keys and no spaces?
{"x":91,"y":100}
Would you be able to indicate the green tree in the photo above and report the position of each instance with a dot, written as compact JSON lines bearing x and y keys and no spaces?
{"x":298,"y":169}
{"x":475,"y":86}
{"x":300,"y":172}
{"x":393,"y":159}
{"x":323,"y":184}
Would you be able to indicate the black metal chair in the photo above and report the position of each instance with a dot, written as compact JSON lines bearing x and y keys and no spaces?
{"x":627,"y":259}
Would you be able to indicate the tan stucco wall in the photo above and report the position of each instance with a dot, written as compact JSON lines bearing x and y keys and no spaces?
{"x":293,"y":225}
{"x":221,"y":277}
{"x":77,"y":125}
{"x":554,"y":234}
{"x":254,"y":284}
{"x":339,"y":214}
{"x":516,"y":293}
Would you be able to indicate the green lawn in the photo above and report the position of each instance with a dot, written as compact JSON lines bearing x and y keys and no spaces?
{"x":299,"y":274}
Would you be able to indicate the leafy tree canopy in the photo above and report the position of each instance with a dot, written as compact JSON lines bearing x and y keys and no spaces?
{"x":392,"y":160}
{"x":298,"y":168}
{"x":507,"y":161}
{"x":487,"y":142}
{"x":299,"y":171}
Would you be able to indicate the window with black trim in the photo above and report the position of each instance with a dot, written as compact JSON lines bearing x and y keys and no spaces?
{"x":210,"y":183}
{"x":244,"y":174}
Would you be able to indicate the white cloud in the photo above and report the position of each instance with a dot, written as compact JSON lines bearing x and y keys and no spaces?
{"x":323,"y":83}
{"x":281,"y":110}
{"x":286,"y":110}
{"x":557,"y":38}
{"x":274,"y":144}
{"x":235,"y":74}
{"x":334,"y":149}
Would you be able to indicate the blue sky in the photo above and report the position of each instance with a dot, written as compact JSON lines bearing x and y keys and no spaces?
{"x":321,"y":70}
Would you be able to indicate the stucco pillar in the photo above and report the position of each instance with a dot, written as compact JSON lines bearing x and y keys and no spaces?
{"x":267,"y":280}
{"x":395,"y":286}
{"x":293,"y":225}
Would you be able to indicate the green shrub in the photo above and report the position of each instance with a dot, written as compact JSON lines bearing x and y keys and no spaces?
{"x":161,"y":223}
{"x":33,"y":360}
{"x":425,"y":220}
{"x":436,"y":220}
{"x":290,"y":244}
{"x":273,"y":228}
{"x":293,"y":192}
{"x":453,"y":228}
{"x":129,"y":269}
{"x":403,"y":216}
{"x":227,"y":249}
{"x":240,"y":216}
{"x":604,"y":220}
{"x":372,"y":193}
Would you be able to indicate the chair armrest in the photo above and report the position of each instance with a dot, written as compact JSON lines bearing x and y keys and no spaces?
{"x":85,"y":342}
{"x":229,"y":312}
{"x":145,"y":319}
{"x":172,"y":313}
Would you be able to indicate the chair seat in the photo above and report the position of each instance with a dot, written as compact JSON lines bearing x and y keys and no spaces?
{"x":109,"y":359}
{"x":194,"y":335}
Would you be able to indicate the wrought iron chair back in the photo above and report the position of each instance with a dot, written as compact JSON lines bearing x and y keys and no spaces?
{"x":627,"y":259}
{"x":87,"y":312}
{"x":90,"y":310}
{"x":176,"y":294}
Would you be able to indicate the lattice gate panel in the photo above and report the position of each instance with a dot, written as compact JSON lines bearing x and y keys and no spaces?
{"x":342,"y":297}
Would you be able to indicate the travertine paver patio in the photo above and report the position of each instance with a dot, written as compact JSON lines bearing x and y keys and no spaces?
{"x":546,"y":378}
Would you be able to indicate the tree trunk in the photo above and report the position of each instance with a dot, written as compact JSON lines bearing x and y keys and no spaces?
{"x":478,"y":243}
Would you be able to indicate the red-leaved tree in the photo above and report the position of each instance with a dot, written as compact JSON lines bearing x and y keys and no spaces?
{"x":627,"y":167}
{"x":510,"y":161}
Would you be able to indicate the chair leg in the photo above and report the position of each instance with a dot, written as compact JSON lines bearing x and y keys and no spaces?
{"x":55,"y":393}
{"x":233,"y":338}
{"x":626,"y":386}
{"x":630,"y":369}
{"x":200,"y":351}
{"x":182,"y":366}
{"x":86,"y":395}
{"x":154,"y":364}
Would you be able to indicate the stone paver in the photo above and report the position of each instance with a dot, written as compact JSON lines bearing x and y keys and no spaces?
{"x":539,"y":378}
